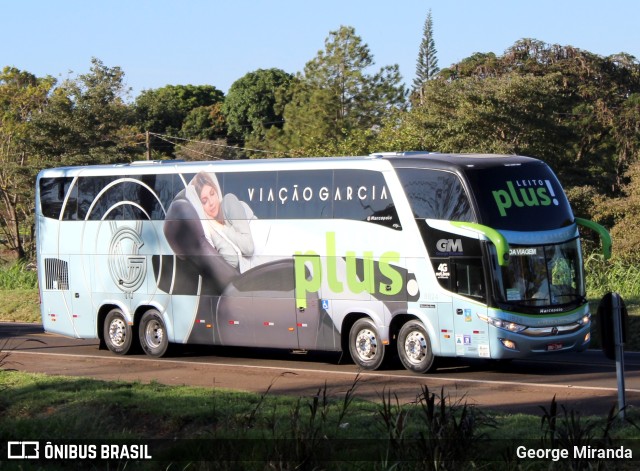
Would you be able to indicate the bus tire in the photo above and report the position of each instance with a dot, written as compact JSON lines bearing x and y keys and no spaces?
{"x":365,"y":345}
{"x":118,"y":334}
{"x":414,"y":347}
{"x":153,"y":334}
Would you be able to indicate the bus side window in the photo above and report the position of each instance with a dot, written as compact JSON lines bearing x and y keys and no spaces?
{"x":435,"y":194}
{"x":470,"y":278}
{"x":52,"y":194}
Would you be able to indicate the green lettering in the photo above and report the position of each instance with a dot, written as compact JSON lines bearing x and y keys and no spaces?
{"x":530,"y":198}
{"x":355,"y":285}
{"x":502,"y":200}
{"x":514,"y":195}
{"x":395,"y":277}
{"x":306,"y":283}
{"x":544,"y":197}
{"x":332,"y":272}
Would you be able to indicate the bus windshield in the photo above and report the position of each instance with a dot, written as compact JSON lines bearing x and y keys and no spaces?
{"x":542,"y":275}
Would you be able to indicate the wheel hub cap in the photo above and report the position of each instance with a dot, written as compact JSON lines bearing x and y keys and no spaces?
{"x":366,"y":344}
{"x":415,"y":347}
{"x":117,"y":332}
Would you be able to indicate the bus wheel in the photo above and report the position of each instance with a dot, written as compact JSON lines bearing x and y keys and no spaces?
{"x":414,"y":347}
{"x":365,"y":345}
{"x":118,"y":334}
{"x":153,"y":334}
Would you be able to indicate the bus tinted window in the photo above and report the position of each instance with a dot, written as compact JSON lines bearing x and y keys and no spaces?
{"x":258,"y":189}
{"x":521,"y":197}
{"x":315,"y":194}
{"x":303,"y":195}
{"x":52,"y":193}
{"x":155,"y":193}
{"x":435,"y":194}
{"x":363,"y":196}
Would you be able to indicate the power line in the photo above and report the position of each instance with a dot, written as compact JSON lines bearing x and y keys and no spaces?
{"x":167,"y":138}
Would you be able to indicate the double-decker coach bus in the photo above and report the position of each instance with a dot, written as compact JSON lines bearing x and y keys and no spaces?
{"x":421,"y":254}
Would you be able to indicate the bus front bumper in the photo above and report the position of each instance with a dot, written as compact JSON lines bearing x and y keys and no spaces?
{"x":506,"y":345}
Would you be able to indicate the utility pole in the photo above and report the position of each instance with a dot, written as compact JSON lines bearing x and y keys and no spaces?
{"x":148,"y":143}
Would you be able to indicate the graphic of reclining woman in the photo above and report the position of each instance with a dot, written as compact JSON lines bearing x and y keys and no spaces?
{"x":225,"y":220}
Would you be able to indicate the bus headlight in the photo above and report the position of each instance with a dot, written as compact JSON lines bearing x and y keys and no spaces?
{"x":505,"y":325}
{"x":584,"y":320}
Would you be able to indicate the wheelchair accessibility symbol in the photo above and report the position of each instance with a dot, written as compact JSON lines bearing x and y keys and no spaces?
{"x":325,"y":304}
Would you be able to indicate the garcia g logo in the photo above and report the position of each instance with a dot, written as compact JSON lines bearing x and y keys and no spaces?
{"x":127,"y":267}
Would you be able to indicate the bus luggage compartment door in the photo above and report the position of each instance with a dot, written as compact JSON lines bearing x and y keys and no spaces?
{"x":258,"y":308}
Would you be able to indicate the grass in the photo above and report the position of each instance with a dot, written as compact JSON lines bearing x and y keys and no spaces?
{"x":320,"y":431}
{"x":17,"y":276}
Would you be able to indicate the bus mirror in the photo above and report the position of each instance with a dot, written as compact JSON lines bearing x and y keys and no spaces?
{"x":605,"y":237}
{"x":611,"y":305}
{"x":496,"y":238}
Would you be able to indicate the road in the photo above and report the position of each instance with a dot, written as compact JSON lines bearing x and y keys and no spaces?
{"x":583,"y":382}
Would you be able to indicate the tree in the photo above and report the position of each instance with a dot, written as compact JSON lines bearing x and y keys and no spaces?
{"x":511,"y":114}
{"x":252,"y":104}
{"x":596,"y":104}
{"x":204,"y":123}
{"x":164,"y":110}
{"x":86,"y":120}
{"x":22,"y":97}
{"x":427,"y":63}
{"x":336,"y":97}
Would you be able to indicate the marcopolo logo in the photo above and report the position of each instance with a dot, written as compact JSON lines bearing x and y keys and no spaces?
{"x":525,"y":193}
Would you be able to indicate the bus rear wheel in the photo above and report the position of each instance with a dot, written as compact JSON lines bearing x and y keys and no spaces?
{"x":414,"y":347}
{"x":365,"y":345}
{"x":118,"y":334}
{"x":153,"y":334}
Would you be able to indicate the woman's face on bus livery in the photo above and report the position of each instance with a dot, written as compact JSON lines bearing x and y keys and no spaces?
{"x":210,"y":201}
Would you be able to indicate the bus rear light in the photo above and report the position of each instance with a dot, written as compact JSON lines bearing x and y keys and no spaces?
{"x":510,"y":344}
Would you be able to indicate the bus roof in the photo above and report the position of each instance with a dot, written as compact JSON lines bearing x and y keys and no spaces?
{"x":454,"y":162}
{"x":376,"y":161}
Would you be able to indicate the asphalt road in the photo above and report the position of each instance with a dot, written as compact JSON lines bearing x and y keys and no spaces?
{"x":583,"y":382}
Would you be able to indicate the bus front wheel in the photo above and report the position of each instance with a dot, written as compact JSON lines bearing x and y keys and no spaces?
{"x":365,"y":345}
{"x":414,"y":347}
{"x":118,"y":334}
{"x":153,"y":334}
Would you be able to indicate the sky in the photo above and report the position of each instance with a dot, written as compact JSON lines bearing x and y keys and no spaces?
{"x":214,"y":42}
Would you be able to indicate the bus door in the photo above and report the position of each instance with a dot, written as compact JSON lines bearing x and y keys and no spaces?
{"x":309,"y":308}
{"x":80,"y":289}
{"x":468,"y":282}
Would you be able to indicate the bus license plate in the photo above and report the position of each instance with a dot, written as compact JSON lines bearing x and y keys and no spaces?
{"x":554,"y":346}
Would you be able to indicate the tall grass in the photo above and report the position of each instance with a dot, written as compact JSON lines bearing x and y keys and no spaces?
{"x":17,"y":276}
{"x":612,"y":275}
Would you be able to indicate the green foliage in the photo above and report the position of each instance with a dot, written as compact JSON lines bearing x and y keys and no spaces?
{"x":254,"y":104}
{"x":508,"y":114}
{"x":427,"y":63}
{"x":23,"y":97}
{"x":319,"y":431}
{"x":164,"y":110}
{"x":86,"y":120}
{"x":17,"y":276}
{"x":336,"y":96}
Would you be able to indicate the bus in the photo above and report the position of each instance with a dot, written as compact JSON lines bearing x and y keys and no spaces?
{"x":416,"y":255}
